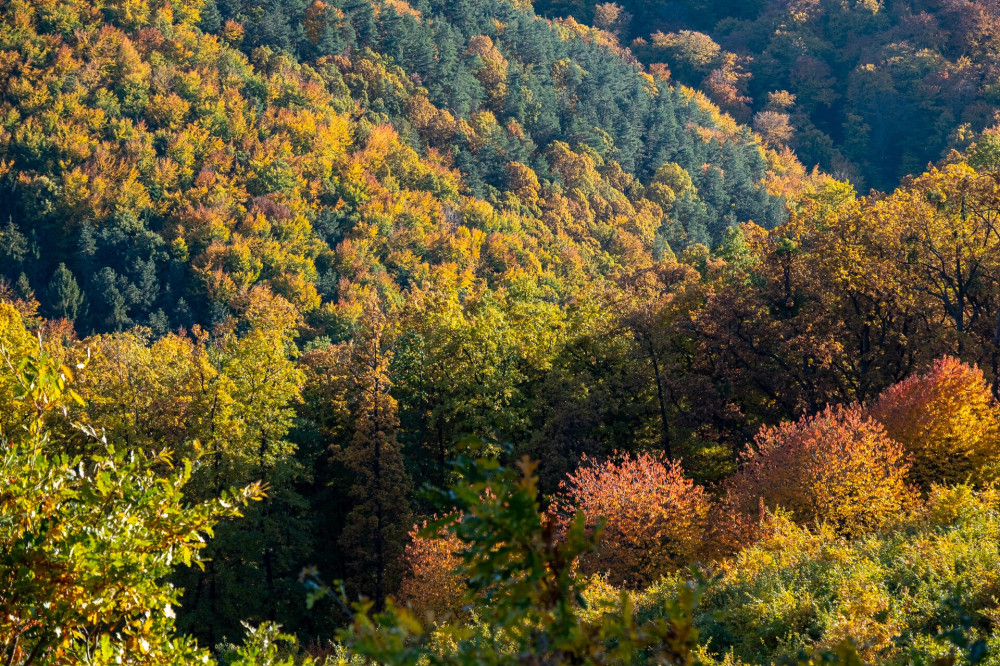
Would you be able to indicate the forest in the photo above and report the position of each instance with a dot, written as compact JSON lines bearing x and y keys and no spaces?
{"x":350,"y":332}
{"x":870,"y":90}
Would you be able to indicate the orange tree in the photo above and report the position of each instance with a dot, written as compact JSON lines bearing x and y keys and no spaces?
{"x":838,"y":467}
{"x":947,"y":419}
{"x":654,"y":520}
{"x":433,"y":586}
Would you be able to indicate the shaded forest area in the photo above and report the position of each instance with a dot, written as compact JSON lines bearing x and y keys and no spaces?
{"x":869,"y":90}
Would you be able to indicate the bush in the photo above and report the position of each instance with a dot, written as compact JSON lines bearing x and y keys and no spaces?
{"x":920,"y":594}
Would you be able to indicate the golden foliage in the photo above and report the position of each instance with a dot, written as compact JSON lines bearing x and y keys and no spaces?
{"x":948,"y":419}
{"x":838,"y":467}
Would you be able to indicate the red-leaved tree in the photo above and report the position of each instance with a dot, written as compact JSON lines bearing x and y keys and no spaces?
{"x":655,"y":519}
{"x":838,"y":467}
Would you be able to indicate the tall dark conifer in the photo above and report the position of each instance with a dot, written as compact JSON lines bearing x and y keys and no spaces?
{"x":375,"y":535}
{"x":65,"y":299}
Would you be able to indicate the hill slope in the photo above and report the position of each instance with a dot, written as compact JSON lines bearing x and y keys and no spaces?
{"x":151,"y":170}
{"x":873,"y":90}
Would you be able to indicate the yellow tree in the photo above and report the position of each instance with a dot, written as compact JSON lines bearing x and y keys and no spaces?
{"x":869,"y":305}
{"x":944,"y":229}
{"x":141,"y":390}
{"x":467,"y":359}
{"x":492,"y":71}
{"x":234,"y":392}
{"x":18,"y":344}
{"x":248,"y":386}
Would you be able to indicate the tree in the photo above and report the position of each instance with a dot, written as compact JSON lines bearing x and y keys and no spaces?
{"x":727,"y":84}
{"x":144,"y":392}
{"x":245,"y":386}
{"x":492,"y":70}
{"x":234,"y":393}
{"x":689,"y":52}
{"x":774,"y":127}
{"x":466,"y":366}
{"x":375,"y":534}
{"x":947,"y":222}
{"x":653,"y":520}
{"x":19,"y":344}
{"x":613,"y":18}
{"x":64,"y":296}
{"x":838,"y":467}
{"x":433,"y":587}
{"x":652,"y":305}
{"x":91,"y":584}
{"x":948,"y":420}
{"x":984,"y":154}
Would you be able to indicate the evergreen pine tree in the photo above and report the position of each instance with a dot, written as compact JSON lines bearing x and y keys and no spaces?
{"x":65,"y":299}
{"x":211,"y":17}
{"x":23,"y":287}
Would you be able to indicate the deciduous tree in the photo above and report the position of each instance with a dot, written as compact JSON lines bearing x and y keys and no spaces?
{"x":837,"y":467}
{"x":948,"y":420}
{"x":653,"y":520}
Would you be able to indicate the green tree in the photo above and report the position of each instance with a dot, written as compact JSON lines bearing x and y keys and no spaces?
{"x":87,"y":541}
{"x":65,"y":298}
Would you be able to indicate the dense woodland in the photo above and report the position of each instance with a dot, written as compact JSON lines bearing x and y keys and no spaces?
{"x":462,"y":332}
{"x":871,"y":90}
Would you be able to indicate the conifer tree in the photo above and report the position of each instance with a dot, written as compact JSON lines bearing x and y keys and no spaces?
{"x":64,"y":294}
{"x":375,"y":534}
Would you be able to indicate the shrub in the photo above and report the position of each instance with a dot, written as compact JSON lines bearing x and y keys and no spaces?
{"x":922,"y":593}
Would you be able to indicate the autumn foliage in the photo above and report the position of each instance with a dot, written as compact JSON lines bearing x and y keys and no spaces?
{"x":655,"y":520}
{"x":947,"y":419}
{"x":433,"y":586}
{"x":837,"y":467}
{"x":323,"y":245}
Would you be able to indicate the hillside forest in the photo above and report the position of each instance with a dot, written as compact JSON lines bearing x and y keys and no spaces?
{"x":488,"y":332}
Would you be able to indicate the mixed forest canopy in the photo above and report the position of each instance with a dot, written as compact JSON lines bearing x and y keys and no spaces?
{"x":158,"y":168}
{"x":463,"y":332}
